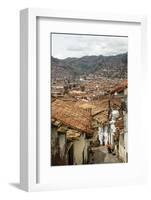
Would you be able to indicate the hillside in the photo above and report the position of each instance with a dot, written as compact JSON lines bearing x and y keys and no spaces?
{"x":105,"y":66}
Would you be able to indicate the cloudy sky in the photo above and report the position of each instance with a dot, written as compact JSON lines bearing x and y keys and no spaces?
{"x":72,"y":45}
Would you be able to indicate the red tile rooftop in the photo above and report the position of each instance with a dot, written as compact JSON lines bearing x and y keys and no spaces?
{"x":78,"y":114}
{"x":120,"y":87}
{"x":71,"y":116}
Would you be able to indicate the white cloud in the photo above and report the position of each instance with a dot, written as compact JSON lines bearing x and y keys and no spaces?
{"x":72,"y":45}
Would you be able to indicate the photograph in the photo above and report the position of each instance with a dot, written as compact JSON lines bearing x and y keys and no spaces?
{"x":89,"y":99}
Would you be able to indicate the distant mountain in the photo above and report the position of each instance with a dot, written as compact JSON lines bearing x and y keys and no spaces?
{"x":105,"y":66}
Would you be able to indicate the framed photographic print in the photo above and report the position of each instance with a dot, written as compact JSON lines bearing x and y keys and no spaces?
{"x":81,"y":84}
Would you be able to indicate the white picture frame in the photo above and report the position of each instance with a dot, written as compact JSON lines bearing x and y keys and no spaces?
{"x":29,"y":148}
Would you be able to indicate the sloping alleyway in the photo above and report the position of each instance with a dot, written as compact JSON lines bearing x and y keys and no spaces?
{"x":100,"y":155}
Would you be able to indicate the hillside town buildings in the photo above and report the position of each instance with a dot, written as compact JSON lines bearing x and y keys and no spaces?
{"x":89,"y":121}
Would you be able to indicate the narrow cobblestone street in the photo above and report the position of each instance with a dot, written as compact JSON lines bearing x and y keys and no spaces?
{"x":100,"y":155}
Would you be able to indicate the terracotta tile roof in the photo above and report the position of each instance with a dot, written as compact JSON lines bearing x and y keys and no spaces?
{"x":100,"y":106}
{"x":71,"y":116}
{"x":116,"y":103}
{"x":76,"y":114}
{"x":120,"y":87}
{"x":101,"y":117}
